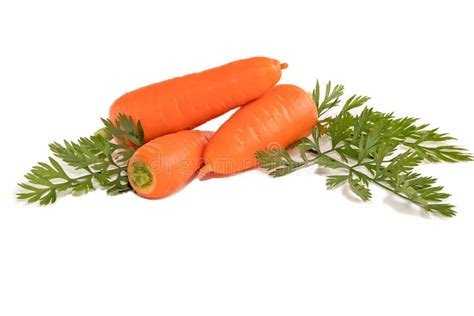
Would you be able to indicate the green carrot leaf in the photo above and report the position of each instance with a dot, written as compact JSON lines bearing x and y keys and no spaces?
{"x":84,"y":165}
{"x":372,"y":148}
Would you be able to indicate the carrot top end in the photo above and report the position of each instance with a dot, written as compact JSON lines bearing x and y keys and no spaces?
{"x":105,"y":133}
{"x":140,"y":176}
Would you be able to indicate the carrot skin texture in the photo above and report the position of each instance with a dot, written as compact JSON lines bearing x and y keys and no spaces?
{"x":183,"y":103}
{"x":171,"y":161}
{"x":280,"y":117}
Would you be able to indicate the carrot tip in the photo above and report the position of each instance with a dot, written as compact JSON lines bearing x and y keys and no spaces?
{"x":284,"y":65}
{"x":204,"y":171}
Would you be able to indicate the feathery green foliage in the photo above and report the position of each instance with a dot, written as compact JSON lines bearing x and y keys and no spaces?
{"x":92,"y":162}
{"x":370,"y":147}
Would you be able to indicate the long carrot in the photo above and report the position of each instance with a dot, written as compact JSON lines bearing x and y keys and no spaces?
{"x":280,"y":117}
{"x":167,"y":163}
{"x":186,"y":102}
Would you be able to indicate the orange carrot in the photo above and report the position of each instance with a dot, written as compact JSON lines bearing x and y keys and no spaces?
{"x":165,"y":164}
{"x":280,"y":117}
{"x":186,"y":102}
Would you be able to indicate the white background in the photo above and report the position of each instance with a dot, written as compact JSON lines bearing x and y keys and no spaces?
{"x":249,"y":244}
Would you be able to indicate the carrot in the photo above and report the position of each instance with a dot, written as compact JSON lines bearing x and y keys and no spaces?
{"x":165,"y":164}
{"x":280,"y":117}
{"x":186,"y":102}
